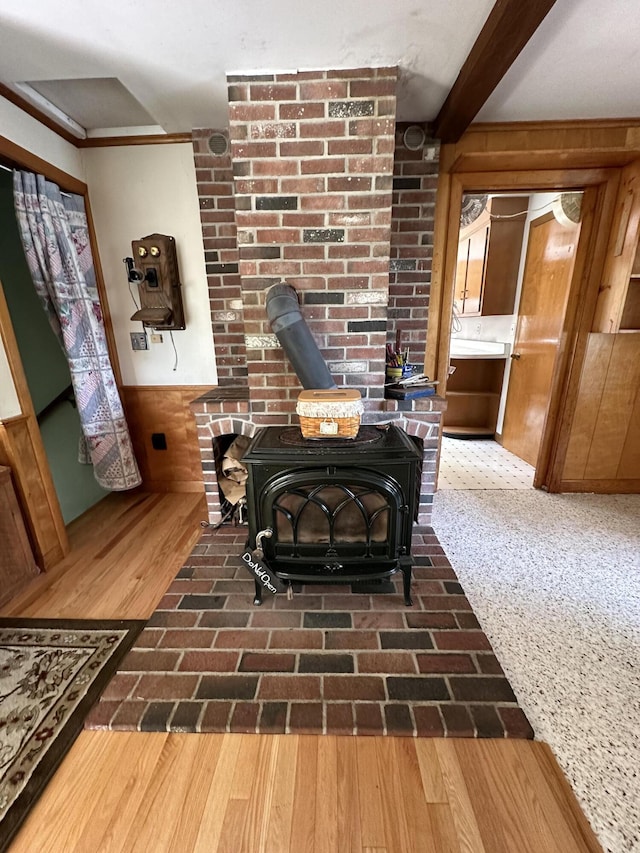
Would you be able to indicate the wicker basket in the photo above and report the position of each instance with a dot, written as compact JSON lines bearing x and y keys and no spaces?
{"x":329,"y":413}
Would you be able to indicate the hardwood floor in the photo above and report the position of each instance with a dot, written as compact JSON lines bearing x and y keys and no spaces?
{"x":120,"y":791}
{"x":125,"y":552}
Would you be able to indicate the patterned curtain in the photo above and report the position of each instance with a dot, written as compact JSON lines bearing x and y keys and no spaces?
{"x":55,"y":237}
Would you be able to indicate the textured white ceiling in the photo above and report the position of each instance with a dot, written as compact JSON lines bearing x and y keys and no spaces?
{"x":582,"y":62}
{"x":174,"y":57}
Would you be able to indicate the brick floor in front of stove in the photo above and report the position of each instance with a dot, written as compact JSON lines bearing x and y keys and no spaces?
{"x":333,"y":659}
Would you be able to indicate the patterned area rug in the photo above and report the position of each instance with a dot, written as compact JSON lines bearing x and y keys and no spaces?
{"x":51,"y":673}
{"x":332,"y":659}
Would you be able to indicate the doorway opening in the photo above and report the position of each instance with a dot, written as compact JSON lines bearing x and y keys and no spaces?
{"x":46,"y":370}
{"x":515,"y":264}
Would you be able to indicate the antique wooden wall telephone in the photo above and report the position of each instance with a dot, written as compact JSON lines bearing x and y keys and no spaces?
{"x":154,"y":269}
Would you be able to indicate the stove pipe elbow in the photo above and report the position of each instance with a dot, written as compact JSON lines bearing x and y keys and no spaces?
{"x":289,"y":326}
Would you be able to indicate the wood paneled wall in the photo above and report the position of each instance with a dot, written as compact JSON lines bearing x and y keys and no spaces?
{"x":604,"y":447}
{"x":594,"y":447}
{"x":22,"y":451}
{"x":165,"y":409}
{"x":512,"y":146}
{"x":621,"y":252}
{"x":17,"y":565}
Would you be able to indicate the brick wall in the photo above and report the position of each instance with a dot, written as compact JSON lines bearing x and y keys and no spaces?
{"x":312,"y":160}
{"x":309,"y":194}
{"x":415,"y":179}
{"x":214,"y":178}
{"x":414,"y":193}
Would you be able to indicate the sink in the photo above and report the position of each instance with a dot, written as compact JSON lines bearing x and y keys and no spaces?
{"x":466,"y":348}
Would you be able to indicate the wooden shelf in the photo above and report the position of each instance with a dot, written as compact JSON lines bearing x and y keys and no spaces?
{"x":473,"y":397}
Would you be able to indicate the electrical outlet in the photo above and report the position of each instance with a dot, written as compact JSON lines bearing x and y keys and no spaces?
{"x":139,"y":340}
{"x":158,"y":441}
{"x":156,"y":338}
{"x":478,"y":328}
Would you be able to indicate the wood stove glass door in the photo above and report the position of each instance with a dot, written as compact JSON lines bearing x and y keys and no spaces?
{"x":353,"y":513}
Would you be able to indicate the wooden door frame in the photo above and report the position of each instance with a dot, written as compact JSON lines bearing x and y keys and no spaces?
{"x":14,"y":156}
{"x":21,"y":444}
{"x":600,"y":187}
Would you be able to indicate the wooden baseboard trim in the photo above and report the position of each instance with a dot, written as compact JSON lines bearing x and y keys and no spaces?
{"x":600,"y":487}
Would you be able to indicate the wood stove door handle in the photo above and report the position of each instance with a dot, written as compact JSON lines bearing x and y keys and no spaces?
{"x":267,"y":533}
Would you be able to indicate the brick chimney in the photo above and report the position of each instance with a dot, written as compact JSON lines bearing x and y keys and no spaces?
{"x":305,"y":195}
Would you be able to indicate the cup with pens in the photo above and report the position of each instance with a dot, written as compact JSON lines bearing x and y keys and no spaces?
{"x":397,"y":364}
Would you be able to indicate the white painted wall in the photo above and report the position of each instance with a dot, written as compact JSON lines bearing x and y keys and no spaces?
{"x":25,"y":131}
{"x":137,"y":190}
{"x":9,"y":405}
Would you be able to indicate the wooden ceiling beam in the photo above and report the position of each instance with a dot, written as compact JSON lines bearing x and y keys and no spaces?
{"x":510,"y":25}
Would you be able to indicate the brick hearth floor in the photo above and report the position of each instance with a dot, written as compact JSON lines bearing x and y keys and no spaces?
{"x":330,"y":660}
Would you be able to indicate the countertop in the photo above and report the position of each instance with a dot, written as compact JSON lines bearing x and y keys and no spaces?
{"x":466,"y":348}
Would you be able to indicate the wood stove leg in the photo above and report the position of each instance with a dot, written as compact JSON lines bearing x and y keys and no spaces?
{"x":258,"y":596}
{"x":406,"y":564}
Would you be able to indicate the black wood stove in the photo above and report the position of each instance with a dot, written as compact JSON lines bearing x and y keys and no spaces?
{"x":333,"y":510}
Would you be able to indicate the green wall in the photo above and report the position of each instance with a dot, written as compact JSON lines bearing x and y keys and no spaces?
{"x":45,"y":367}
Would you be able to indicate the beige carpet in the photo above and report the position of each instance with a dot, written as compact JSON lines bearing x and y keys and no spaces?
{"x":555,"y":583}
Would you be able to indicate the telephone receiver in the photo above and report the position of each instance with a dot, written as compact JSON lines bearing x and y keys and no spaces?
{"x":137,"y":276}
{"x":154,"y":269}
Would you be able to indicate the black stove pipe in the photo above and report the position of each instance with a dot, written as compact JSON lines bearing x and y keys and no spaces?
{"x":289,"y":326}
